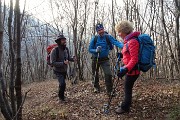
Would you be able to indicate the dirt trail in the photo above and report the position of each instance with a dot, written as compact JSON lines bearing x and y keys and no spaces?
{"x":151,"y":100}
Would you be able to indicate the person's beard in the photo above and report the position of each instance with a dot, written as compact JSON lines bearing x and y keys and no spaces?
{"x":101,"y":33}
{"x":63,"y":45}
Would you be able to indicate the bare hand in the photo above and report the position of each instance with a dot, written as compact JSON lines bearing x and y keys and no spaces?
{"x":74,"y":58}
{"x":66,"y":62}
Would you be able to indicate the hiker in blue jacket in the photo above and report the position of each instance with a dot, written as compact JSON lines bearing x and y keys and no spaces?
{"x":99,"y":48}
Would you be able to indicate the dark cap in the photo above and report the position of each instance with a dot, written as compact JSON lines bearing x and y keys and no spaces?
{"x":60,"y":37}
{"x":99,"y":26}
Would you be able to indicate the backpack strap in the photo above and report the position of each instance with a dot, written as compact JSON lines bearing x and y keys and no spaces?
{"x":136,"y":38}
{"x":136,"y":67}
{"x":57,"y":52}
{"x":127,"y":46}
{"x":107,"y":40}
{"x":95,"y":40}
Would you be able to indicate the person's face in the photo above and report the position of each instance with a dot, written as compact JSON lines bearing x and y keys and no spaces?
{"x":101,"y":32}
{"x":63,"y":41}
{"x":122,"y":35}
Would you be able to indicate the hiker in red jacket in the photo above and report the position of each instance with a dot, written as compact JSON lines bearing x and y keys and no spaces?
{"x":130,"y":60}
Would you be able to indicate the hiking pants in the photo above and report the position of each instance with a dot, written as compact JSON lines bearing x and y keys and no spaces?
{"x":128,"y":85}
{"x":62,"y":84}
{"x":105,"y":65}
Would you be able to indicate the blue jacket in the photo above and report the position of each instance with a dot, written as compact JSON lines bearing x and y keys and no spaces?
{"x":101,"y":41}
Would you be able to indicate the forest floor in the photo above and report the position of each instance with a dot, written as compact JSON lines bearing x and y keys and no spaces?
{"x":152,"y":100}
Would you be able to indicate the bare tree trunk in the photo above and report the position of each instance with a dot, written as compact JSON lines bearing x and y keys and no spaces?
{"x":113,"y":20}
{"x":127,"y":9}
{"x":94,"y":22}
{"x":4,"y":106}
{"x":177,"y":21}
{"x":29,"y":67}
{"x":11,"y":51}
{"x":47,"y":43}
{"x":18,"y":62}
{"x":168,"y":40}
{"x":75,"y":39}
{"x":1,"y":34}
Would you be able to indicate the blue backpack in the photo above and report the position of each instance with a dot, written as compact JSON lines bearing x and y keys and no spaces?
{"x":146,"y":52}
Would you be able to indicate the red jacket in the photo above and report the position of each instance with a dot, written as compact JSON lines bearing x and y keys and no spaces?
{"x":130,"y":55}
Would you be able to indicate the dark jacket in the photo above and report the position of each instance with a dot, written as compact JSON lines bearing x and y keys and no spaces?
{"x":58,"y":63}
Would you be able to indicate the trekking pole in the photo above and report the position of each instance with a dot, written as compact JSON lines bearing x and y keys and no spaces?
{"x":107,"y":106}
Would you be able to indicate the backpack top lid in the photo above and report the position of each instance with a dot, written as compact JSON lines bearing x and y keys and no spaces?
{"x":50,"y":47}
{"x":146,"y":39}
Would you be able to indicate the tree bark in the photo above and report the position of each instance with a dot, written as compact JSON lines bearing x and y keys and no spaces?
{"x":18,"y":61}
{"x":177,"y":21}
{"x":12,"y":59}
{"x":94,"y":22}
{"x":4,"y":106}
{"x":167,"y":37}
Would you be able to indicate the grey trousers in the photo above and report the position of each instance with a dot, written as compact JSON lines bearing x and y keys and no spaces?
{"x":105,"y":65}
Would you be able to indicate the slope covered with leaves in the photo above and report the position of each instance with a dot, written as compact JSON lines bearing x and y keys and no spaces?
{"x":151,"y":100}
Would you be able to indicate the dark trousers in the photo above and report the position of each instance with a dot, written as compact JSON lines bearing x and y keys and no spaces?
{"x":128,"y":85}
{"x":62,"y":84}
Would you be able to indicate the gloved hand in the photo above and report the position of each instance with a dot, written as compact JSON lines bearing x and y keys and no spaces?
{"x":98,"y":49}
{"x":119,"y":55}
{"x":123,"y":71}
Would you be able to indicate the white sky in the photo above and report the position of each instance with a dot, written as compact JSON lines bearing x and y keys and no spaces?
{"x":41,"y":10}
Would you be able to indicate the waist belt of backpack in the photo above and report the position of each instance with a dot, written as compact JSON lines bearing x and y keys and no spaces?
{"x":101,"y":59}
{"x":134,"y":69}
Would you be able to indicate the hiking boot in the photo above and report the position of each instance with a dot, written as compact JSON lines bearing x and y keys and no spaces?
{"x":96,"y":90}
{"x":63,"y":100}
{"x":119,"y":110}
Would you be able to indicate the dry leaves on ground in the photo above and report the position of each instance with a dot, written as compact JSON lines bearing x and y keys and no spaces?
{"x":151,"y":100}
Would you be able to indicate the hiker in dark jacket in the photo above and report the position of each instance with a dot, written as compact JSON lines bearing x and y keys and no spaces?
{"x":130,"y":60}
{"x":100,"y":52}
{"x":60,"y":63}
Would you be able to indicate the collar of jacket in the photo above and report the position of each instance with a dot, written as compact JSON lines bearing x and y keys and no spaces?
{"x":102,"y":35}
{"x":131,"y":35}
